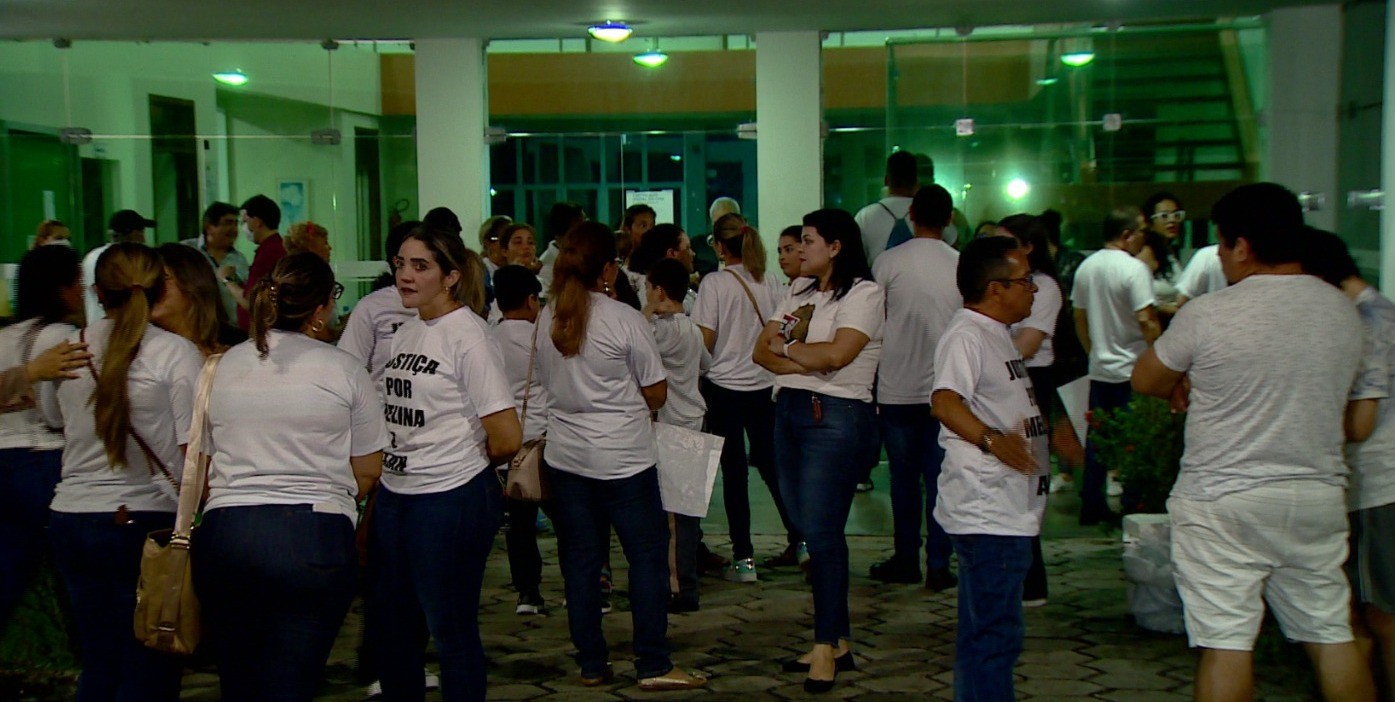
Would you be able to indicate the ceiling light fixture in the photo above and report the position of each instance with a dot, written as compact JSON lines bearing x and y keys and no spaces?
{"x":234,"y":77}
{"x":1047,"y":81}
{"x":1077,"y":51}
{"x":613,"y":32}
{"x":652,"y":58}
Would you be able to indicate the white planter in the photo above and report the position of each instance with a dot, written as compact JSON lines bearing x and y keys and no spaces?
{"x":1153,"y":599}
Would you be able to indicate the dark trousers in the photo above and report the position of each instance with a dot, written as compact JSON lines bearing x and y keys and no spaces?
{"x":738,"y":415}
{"x":586,"y":508}
{"x":525,"y":560}
{"x":27,"y":479}
{"x":912,"y":439}
{"x":990,"y":628}
{"x":818,"y":440}
{"x":685,"y":532}
{"x":431,"y":551}
{"x":1103,"y":396}
{"x":275,"y":582}
{"x":99,"y":562}
{"x":1044,"y":391}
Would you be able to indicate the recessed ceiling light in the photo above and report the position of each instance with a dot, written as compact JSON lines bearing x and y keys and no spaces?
{"x":613,"y":32}
{"x":651,"y":59}
{"x":234,"y":77}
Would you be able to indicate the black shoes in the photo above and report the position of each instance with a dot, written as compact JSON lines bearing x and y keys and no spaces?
{"x":893,"y":570}
{"x":842,"y":664}
{"x":682,"y":605}
{"x":940,"y":579}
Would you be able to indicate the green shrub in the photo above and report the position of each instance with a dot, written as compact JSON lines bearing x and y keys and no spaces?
{"x":1143,"y":441}
{"x":39,"y":637}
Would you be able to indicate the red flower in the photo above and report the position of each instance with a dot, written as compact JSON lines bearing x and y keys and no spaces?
{"x":1128,"y":448}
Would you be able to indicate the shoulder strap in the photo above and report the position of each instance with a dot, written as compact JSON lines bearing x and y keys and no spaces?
{"x":195,"y":467}
{"x":528,"y":384}
{"x":760,"y":318}
{"x":152,"y":461}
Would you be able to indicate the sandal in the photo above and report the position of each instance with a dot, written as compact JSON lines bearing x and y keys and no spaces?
{"x":673,"y":680}
{"x":606,"y":677}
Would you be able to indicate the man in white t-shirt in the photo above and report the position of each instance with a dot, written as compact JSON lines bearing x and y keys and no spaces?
{"x":1116,"y":321}
{"x":1202,"y":275}
{"x":884,"y":223}
{"x":1258,"y":511}
{"x":125,"y":225}
{"x":995,"y":478}
{"x":921,"y":298}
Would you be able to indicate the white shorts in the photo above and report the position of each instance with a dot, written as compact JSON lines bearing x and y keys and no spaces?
{"x":1283,"y":543}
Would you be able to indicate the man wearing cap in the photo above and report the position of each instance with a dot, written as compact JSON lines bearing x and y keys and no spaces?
{"x":126,"y":225}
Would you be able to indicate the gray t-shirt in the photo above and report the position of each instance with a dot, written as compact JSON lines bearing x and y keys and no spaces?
{"x":1271,"y":361}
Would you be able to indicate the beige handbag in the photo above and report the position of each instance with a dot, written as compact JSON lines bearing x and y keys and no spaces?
{"x":167,"y":610}
{"x":527,"y":479}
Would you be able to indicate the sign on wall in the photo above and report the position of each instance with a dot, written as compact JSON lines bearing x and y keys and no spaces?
{"x":660,"y":200}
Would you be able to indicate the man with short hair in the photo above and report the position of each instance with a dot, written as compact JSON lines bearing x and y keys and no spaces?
{"x":884,"y":223}
{"x":1201,"y":275}
{"x":219,"y":234}
{"x":921,"y":299}
{"x":1258,"y":511}
{"x":260,"y":217}
{"x":994,"y":482}
{"x":1116,"y":321}
{"x":124,"y":225}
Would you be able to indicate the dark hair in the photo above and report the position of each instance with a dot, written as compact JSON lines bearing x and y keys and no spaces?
{"x":633,"y":212}
{"x":992,"y":224}
{"x":43,"y":273}
{"x":1162,"y":252}
{"x":654,"y":246}
{"x":1325,"y":255}
{"x":192,"y":274}
{"x":1267,"y":215}
{"x":395,"y":237}
{"x":1029,"y":231}
{"x":932,"y":206}
{"x":513,"y":285}
{"x":263,"y":208}
{"x":589,"y":247}
{"x":1150,"y":206}
{"x":743,"y":241}
{"x":793,"y":231}
{"x":217,"y":211}
{"x":982,"y":262}
{"x":670,"y":276}
{"x":925,"y":168}
{"x":1052,"y":219}
{"x":1120,"y":220}
{"x":493,"y":227}
{"x":451,"y":254}
{"x":288,"y":296}
{"x":901,"y":170}
{"x":443,"y":218}
{"x":850,"y":265}
{"x":562,"y":217}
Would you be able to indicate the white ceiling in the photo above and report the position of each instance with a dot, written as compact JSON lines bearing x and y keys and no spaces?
{"x":507,"y":19}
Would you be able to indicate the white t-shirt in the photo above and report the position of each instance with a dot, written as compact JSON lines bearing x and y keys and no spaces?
{"x":1165,"y":286}
{"x":368,"y":333}
{"x":444,"y":375}
{"x":282,"y":429}
{"x":161,"y":383}
{"x":1203,"y":273}
{"x":1372,"y":461}
{"x":515,"y":339}
{"x":1046,"y":308}
{"x":723,"y":307}
{"x":91,"y":306}
{"x":26,"y":428}
{"x":548,"y":259}
{"x":876,"y":223}
{"x":1111,"y":287}
{"x":1271,"y":361}
{"x":599,"y":423}
{"x":685,"y":358}
{"x":979,"y":494}
{"x":811,"y":316}
{"x":921,"y":298}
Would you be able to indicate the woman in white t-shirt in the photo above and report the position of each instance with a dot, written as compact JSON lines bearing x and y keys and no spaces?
{"x":823,"y":343}
{"x":296,"y":436}
{"x":31,"y":454}
{"x":451,"y":418}
{"x":731,"y":309}
{"x":603,"y":376}
{"x":125,"y":424}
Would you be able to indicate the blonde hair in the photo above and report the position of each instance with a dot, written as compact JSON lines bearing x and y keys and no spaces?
{"x":494,"y":226}
{"x":297,"y":240}
{"x":743,"y":241}
{"x":130,"y":279}
{"x":589,"y":247}
{"x":287,"y":298}
{"x":43,"y":234}
{"x":190,"y":272}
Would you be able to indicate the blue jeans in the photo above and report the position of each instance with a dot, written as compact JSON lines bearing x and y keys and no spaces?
{"x":275,"y":582}
{"x":1103,"y":396}
{"x":991,"y":571}
{"x":99,"y":562}
{"x":819,"y":443}
{"x":912,"y":439}
{"x":27,"y":479}
{"x":429,"y":552}
{"x":586,"y":509}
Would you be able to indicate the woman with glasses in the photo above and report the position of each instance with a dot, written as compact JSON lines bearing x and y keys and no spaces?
{"x":451,"y":418}
{"x":823,"y":343}
{"x":296,"y":436}
{"x":1161,"y":242}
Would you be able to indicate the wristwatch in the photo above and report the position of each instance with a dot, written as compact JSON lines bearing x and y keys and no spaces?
{"x":985,"y":442}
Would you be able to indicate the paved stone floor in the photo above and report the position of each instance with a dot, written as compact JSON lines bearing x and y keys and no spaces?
{"x":1081,"y":646}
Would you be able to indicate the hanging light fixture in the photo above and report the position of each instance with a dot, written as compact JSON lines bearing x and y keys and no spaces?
{"x":234,"y":77}
{"x":613,"y":32}
{"x":653,"y":58}
{"x":1077,"y":51}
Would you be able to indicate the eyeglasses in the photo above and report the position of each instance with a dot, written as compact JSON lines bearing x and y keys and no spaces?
{"x":1025,"y":281}
{"x":1173,"y":216}
{"x":337,"y":292}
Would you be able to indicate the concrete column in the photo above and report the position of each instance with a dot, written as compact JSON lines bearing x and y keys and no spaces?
{"x":1387,"y":161}
{"x":1305,"y":68}
{"x":452,"y":113}
{"x":789,"y":118}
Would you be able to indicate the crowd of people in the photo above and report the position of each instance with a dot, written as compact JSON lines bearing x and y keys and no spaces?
{"x":370,"y":466}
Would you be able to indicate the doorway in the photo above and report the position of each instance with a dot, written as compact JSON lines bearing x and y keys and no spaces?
{"x":174,"y":166}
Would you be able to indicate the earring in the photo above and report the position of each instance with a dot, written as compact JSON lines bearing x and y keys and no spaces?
{"x":605,"y":287}
{"x":318,"y":326}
